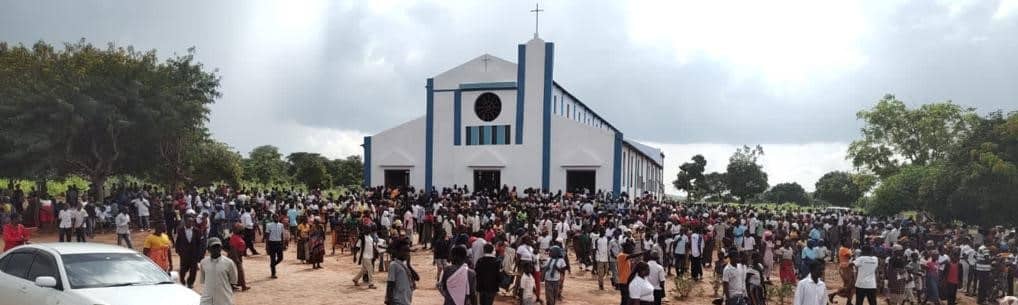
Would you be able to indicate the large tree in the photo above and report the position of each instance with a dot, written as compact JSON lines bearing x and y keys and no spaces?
{"x":894,"y":135}
{"x":744,"y":177}
{"x":347,"y":172}
{"x":89,"y":111}
{"x":715,"y":187}
{"x":213,"y":161}
{"x":690,"y":177}
{"x":310,"y":169}
{"x":265,"y":165}
{"x":787,"y":192}
{"x":838,"y":188}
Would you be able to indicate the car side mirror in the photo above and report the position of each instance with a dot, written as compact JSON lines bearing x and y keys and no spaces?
{"x":46,"y":281}
{"x":175,"y":276}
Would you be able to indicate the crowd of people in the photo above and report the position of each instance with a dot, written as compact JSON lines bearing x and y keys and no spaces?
{"x":521,"y":244}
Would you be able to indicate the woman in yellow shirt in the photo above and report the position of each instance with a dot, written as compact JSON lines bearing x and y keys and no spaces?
{"x":303,"y":233}
{"x":157,"y":248}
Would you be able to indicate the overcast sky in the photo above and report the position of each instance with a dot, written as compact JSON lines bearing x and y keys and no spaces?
{"x":687,"y":76}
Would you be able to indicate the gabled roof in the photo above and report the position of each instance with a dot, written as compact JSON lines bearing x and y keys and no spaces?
{"x":653,"y":154}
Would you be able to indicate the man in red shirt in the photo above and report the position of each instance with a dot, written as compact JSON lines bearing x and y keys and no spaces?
{"x":952,"y":279}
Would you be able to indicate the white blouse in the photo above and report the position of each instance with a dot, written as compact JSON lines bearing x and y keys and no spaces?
{"x":641,"y":289}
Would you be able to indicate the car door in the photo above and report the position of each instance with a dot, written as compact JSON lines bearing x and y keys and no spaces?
{"x":14,"y":286}
{"x":45,"y":265}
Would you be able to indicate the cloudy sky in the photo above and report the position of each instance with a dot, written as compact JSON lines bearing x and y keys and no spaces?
{"x":687,"y":76}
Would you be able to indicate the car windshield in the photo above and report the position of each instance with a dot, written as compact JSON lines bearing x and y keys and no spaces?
{"x":94,"y":270}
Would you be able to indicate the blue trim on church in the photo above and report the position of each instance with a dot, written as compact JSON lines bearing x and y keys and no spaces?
{"x":617,"y":165}
{"x":488,"y":86}
{"x":457,"y":101}
{"x":367,"y":161}
{"x":429,"y":135}
{"x":549,"y":57}
{"x":521,"y":73}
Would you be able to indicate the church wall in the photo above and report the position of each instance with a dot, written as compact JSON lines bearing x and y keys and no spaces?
{"x":399,"y":145}
{"x":579,"y":146}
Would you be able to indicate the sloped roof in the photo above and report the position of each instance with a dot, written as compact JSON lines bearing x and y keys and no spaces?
{"x":652,"y":153}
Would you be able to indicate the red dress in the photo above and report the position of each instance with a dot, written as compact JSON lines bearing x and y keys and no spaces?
{"x":14,"y":236}
{"x":46,"y":214}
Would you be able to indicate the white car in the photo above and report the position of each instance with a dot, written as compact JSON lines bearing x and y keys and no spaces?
{"x":86,"y":274}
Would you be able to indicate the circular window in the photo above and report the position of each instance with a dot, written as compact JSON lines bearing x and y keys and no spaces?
{"x":488,"y":106}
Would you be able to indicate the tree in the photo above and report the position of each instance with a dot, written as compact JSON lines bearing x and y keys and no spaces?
{"x":838,"y":188}
{"x":744,"y":177}
{"x":310,"y":169}
{"x":715,"y":187}
{"x":89,"y":111}
{"x":214,"y":161}
{"x":787,"y":192}
{"x":265,"y":165}
{"x":690,"y":176}
{"x":347,"y":172}
{"x":895,"y":136}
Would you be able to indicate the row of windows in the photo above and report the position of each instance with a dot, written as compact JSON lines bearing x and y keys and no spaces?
{"x":639,"y":172}
{"x":489,"y":135}
{"x":565,"y":107}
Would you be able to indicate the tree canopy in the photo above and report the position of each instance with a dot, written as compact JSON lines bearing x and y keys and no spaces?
{"x":787,"y":192}
{"x":838,"y":188}
{"x":744,"y":177}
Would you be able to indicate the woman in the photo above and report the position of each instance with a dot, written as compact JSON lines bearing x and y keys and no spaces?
{"x":303,"y":233}
{"x":641,"y":292}
{"x":786,"y":269}
{"x":456,"y":278}
{"x":157,"y":248}
{"x":316,"y":245}
{"x":15,"y":233}
{"x":847,"y":273}
{"x":237,"y":249}
{"x":768,"y":255}
{"x":932,"y":277}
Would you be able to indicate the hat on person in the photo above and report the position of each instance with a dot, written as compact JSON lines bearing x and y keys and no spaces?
{"x":214,"y":241}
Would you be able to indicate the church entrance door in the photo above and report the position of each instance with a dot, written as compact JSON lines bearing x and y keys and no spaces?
{"x":578,"y":180}
{"x":397,"y":178}
{"x":487,"y":180}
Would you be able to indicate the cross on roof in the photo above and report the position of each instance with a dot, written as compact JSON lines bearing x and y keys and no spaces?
{"x":485,"y":60}
{"x":537,"y":11}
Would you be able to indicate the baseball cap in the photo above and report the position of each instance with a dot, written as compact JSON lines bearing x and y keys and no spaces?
{"x":214,"y":241}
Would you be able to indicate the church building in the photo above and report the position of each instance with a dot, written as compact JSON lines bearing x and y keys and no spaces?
{"x":491,"y":122}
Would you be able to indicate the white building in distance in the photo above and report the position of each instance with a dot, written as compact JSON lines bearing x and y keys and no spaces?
{"x":491,"y":122}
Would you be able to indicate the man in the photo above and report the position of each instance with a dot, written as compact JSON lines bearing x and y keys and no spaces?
{"x":14,"y":233}
{"x":695,"y":253}
{"x":79,"y":224}
{"x":681,"y":242}
{"x":811,"y":290}
{"x":123,"y":223}
{"x":399,"y":288}
{"x":733,"y":280}
{"x":983,"y":266}
{"x":552,"y":274}
{"x":866,"y":276}
{"x":488,"y":271}
{"x":218,"y":274}
{"x":141,"y":205}
{"x":601,"y":255}
{"x":656,"y":277}
{"x":190,"y":247}
{"x":365,"y":253}
{"x":247,"y":220}
{"x":274,"y":243}
{"x":66,"y":225}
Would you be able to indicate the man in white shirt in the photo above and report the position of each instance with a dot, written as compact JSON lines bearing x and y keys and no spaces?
{"x":866,"y":276}
{"x":695,"y":254}
{"x":247,"y":220}
{"x":733,"y":281}
{"x":141,"y":205}
{"x":602,"y":245}
{"x":366,"y":253}
{"x":79,"y":224}
{"x":681,"y":243}
{"x":123,"y":222}
{"x":656,"y":278}
{"x":218,"y":274}
{"x":66,"y":225}
{"x":811,"y":290}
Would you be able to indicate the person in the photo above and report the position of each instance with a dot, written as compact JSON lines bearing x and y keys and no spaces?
{"x":641,"y":292}
{"x":123,"y":223}
{"x":811,"y":290}
{"x":696,"y":252}
{"x":316,"y":244}
{"x":458,"y":281}
{"x":932,"y":268}
{"x":733,"y":280}
{"x":67,"y":216}
{"x":157,"y":248}
{"x":847,"y":289}
{"x":189,"y":247}
{"x":275,"y":243}
{"x":656,"y":277}
{"x":601,"y":245}
{"x":238,"y":248}
{"x":440,"y":253}
{"x":552,"y":275}
{"x":218,"y":275}
{"x":142,"y":205}
{"x":15,"y":233}
{"x":681,"y":244}
{"x":866,"y":276}
{"x":952,"y":279}
{"x":79,"y":224}
{"x":402,"y":280}
{"x":488,"y":276}
{"x":786,"y":269}
{"x":365,"y":253}
{"x":247,"y":220}
{"x":528,"y":296}
{"x":303,"y":234}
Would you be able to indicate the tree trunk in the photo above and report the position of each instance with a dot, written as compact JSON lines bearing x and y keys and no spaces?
{"x":99,"y":187}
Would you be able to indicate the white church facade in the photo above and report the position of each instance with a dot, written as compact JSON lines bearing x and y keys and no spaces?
{"x":492,"y":122}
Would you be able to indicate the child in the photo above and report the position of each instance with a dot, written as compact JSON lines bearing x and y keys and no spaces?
{"x":527,"y":294}
{"x":719,"y":269}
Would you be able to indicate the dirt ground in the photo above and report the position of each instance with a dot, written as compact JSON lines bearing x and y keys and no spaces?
{"x":299,"y":284}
